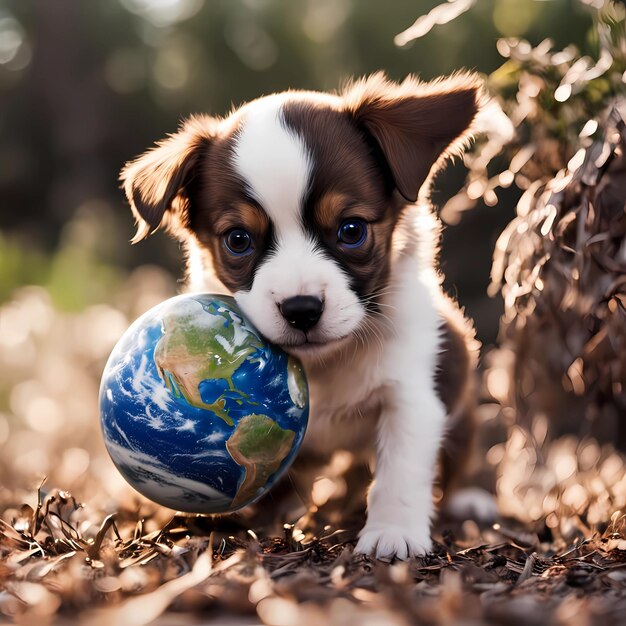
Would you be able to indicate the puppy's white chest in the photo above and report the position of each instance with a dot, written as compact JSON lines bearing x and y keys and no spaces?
{"x":345,"y":403}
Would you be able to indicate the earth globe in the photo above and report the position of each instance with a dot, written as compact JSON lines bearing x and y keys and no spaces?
{"x":200,"y":413}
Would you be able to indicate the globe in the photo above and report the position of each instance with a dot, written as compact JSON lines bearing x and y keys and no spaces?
{"x":199,"y":413}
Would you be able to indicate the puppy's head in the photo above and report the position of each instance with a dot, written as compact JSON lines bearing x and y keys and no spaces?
{"x":293,"y":199}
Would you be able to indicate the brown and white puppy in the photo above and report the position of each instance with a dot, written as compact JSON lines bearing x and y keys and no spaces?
{"x":303,"y":206}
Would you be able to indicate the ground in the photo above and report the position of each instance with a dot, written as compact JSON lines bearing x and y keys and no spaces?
{"x":201,"y":570}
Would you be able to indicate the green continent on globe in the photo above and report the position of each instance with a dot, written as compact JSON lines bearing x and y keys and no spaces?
{"x":198,"y":345}
{"x":259,"y":445}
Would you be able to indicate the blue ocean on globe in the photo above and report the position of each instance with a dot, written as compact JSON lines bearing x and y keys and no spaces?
{"x":199,"y":413}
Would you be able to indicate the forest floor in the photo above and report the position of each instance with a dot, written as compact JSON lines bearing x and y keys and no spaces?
{"x":199,"y":570}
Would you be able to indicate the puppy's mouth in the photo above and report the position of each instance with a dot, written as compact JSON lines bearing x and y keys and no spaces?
{"x":307,"y":346}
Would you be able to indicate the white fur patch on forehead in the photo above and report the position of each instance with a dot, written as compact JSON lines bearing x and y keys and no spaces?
{"x":274,"y":162}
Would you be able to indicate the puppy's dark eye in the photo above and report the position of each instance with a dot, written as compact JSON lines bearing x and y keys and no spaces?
{"x":352,"y":233}
{"x":238,"y":241}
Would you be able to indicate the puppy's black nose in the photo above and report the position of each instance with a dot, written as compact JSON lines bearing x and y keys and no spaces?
{"x":302,"y":312}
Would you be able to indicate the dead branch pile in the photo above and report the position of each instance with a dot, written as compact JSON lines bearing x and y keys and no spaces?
{"x":561,"y":264}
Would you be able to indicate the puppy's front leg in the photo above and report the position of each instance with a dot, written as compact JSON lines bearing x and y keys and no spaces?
{"x":400,"y":506}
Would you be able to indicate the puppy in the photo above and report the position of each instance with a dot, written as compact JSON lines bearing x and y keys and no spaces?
{"x":311,"y":209}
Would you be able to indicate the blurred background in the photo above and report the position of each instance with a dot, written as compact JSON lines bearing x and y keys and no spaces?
{"x":86,"y":86}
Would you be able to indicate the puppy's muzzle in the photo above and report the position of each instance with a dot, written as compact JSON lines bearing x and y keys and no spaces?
{"x":302,"y":312}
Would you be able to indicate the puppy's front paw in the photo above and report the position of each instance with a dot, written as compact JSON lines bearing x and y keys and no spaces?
{"x":390,"y":541}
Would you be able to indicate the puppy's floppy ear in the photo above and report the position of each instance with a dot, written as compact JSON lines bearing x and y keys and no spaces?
{"x":156,"y":182}
{"x":415,"y":124}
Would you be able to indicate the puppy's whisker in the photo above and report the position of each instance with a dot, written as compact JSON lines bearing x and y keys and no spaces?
{"x":376,"y":320}
{"x":383,"y":291}
{"x":369,"y":328}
